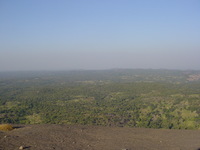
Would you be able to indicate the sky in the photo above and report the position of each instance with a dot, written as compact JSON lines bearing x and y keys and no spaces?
{"x":99,"y":34}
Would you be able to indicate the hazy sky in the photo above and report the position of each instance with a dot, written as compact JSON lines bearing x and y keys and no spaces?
{"x":99,"y":34}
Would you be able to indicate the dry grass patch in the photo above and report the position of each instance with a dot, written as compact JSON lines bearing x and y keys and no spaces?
{"x":6,"y":127}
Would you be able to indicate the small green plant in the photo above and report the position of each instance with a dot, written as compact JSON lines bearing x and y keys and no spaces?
{"x":6,"y":127}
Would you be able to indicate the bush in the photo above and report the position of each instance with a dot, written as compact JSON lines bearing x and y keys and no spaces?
{"x":6,"y":127}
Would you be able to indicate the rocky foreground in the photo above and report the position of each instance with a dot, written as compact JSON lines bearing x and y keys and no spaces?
{"x":65,"y":137}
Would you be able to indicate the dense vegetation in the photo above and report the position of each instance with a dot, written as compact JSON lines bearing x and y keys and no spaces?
{"x":135,"y":98}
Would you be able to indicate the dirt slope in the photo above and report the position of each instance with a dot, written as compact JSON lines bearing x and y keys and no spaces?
{"x":64,"y":137}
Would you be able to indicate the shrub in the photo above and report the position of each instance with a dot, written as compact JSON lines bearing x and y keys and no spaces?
{"x":6,"y":127}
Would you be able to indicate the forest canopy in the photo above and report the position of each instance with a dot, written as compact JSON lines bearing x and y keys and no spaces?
{"x":119,"y":97}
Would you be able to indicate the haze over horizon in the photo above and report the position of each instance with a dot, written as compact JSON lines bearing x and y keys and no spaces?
{"x":104,"y":34}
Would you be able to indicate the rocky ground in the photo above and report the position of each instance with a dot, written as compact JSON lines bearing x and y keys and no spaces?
{"x":65,"y":137}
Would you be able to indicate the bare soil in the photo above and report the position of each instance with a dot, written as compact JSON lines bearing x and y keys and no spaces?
{"x":65,"y":137}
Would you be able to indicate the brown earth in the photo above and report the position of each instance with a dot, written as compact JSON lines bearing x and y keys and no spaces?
{"x":65,"y":137}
